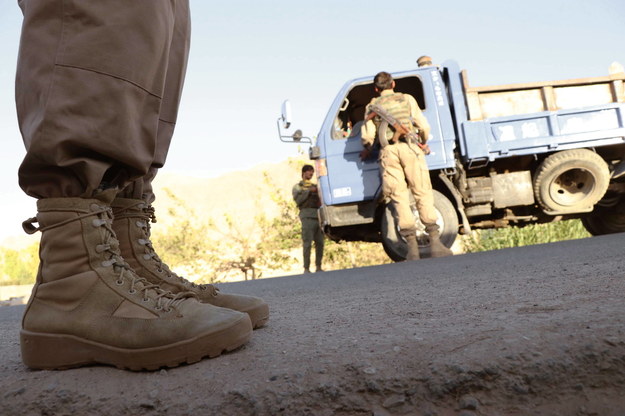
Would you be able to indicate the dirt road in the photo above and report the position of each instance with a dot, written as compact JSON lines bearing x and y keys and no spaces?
{"x":531,"y":331}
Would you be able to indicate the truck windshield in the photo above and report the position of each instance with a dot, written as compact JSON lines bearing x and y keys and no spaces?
{"x":358,"y":98}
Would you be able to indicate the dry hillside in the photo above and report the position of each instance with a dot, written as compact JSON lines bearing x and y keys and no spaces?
{"x":241,"y":194}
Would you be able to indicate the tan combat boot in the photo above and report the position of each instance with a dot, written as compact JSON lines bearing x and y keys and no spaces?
{"x":89,"y":307}
{"x":413,"y":246}
{"x":437,"y":248}
{"x":131,"y":223}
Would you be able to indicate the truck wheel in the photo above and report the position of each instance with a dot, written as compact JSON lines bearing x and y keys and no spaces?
{"x":571,"y":181}
{"x":395,"y":246}
{"x":606,"y":220}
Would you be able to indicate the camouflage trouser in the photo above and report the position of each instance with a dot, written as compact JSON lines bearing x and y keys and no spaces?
{"x":311,"y":231}
{"x":404,"y":170}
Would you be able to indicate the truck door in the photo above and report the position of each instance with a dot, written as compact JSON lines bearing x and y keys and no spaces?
{"x":348,"y":178}
{"x":428,"y":89}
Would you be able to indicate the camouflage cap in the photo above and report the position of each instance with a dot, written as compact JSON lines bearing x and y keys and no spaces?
{"x":424,"y":61}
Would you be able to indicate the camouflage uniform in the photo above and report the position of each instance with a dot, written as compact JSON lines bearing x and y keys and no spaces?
{"x":308,"y":202}
{"x":402,"y":164}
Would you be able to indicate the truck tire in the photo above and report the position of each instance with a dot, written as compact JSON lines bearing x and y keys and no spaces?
{"x":395,"y":246}
{"x":571,"y":181}
{"x":606,"y":220}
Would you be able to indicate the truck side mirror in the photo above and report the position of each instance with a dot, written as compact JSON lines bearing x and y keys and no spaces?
{"x":285,"y":121}
{"x":286,"y":114}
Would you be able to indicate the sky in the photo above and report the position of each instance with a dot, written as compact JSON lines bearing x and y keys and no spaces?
{"x":248,"y":56}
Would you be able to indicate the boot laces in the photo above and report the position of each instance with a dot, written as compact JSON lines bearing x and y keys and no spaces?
{"x":146,"y":218}
{"x":164,"y":300}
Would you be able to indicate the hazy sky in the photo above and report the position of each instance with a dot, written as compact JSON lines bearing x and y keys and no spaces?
{"x":248,"y":56}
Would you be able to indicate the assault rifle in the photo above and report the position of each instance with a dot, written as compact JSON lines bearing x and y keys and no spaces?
{"x":400,"y":130}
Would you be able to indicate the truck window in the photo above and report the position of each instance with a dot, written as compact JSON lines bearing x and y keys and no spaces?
{"x":358,"y":98}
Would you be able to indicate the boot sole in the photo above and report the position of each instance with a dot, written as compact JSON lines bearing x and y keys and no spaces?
{"x":59,"y":352}
{"x":258,"y":315}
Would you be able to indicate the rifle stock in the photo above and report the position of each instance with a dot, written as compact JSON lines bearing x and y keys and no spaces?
{"x":400,"y":129}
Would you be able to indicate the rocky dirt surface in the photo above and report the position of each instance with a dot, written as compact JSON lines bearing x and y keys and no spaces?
{"x":530,"y":331}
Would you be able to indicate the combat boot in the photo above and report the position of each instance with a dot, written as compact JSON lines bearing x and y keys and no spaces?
{"x":132,"y":222}
{"x":413,"y":245}
{"x":89,"y":307}
{"x":437,"y":248}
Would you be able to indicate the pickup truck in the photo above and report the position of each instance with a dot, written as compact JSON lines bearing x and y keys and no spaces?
{"x":501,"y":156}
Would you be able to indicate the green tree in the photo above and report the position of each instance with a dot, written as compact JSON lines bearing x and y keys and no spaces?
{"x":185,"y":244}
{"x":280,"y":235}
{"x":19,"y":267}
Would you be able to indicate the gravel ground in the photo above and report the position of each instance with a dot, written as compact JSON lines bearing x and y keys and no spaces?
{"x":529,"y":331}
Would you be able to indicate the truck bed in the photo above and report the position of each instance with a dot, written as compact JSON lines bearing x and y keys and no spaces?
{"x":514,"y":99}
{"x":532,"y":118}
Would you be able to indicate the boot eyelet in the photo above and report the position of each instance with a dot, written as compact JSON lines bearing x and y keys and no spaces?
{"x":167,"y":310}
{"x":132,"y":291}
{"x":146,"y":300}
{"x":109,"y":263}
{"x":159,"y":270}
{"x":158,"y":308}
{"x":119,"y":282}
{"x":147,"y":256}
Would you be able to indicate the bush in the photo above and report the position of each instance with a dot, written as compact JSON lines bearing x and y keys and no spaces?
{"x":484,"y":240}
{"x":19,"y":267}
{"x":199,"y":249}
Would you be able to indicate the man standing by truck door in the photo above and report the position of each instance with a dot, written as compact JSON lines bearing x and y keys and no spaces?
{"x":307,"y":199}
{"x":403,"y":166}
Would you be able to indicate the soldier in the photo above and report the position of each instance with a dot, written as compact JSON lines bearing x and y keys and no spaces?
{"x":97,"y":91}
{"x":424,"y":61}
{"x":307,"y":199}
{"x":403,"y":165}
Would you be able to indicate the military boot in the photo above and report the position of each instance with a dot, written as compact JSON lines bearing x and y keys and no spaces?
{"x":132,"y":219}
{"x":437,"y":248}
{"x":413,"y":246}
{"x":89,"y":307}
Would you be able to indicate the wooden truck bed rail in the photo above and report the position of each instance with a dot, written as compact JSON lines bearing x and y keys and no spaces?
{"x":512,"y":99}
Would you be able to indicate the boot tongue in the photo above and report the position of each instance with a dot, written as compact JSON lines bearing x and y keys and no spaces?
{"x":107,"y":196}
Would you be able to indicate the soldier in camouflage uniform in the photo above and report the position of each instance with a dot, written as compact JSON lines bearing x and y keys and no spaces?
{"x":307,"y":199}
{"x":403,"y":165}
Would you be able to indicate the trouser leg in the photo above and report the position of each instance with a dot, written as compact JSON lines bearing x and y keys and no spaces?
{"x":174,"y":81}
{"x":307,"y":247}
{"x":308,"y":236}
{"x":319,"y":243}
{"x":395,"y":188}
{"x":418,"y":179}
{"x":90,"y":80}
